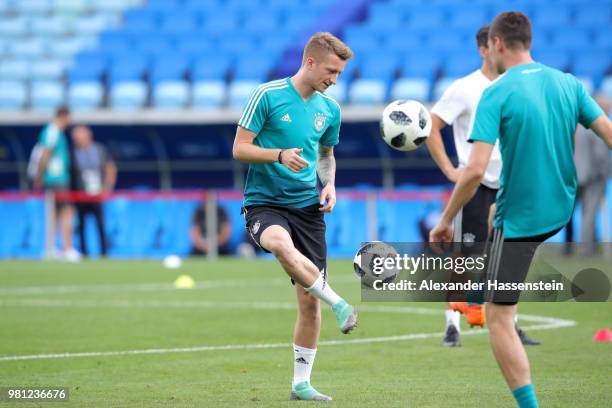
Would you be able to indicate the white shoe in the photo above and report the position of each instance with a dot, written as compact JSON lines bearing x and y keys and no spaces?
{"x":72,"y":255}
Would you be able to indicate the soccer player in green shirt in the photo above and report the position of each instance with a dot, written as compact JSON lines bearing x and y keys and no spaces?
{"x":533,"y":110}
{"x":287,"y":134}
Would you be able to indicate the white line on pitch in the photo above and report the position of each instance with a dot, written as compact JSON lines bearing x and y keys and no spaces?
{"x":548,"y":323}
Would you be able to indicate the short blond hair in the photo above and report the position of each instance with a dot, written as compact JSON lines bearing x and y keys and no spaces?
{"x":323,"y":43}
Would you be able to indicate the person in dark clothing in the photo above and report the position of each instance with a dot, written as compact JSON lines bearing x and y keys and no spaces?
{"x":94,"y":173}
{"x":198,"y":233}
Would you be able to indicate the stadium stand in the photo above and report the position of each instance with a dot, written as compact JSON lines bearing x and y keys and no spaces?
{"x":205,"y":54}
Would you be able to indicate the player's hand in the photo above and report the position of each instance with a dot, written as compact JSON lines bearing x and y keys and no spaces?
{"x":327,"y":198}
{"x":443,"y":232}
{"x":454,"y":174}
{"x":291,"y":159}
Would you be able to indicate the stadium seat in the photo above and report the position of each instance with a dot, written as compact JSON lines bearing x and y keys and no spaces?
{"x":33,"y":48}
{"x":588,"y":83}
{"x":33,"y":7}
{"x":553,"y":57}
{"x":220,"y":24}
{"x":13,"y":96}
{"x":236,"y":44}
{"x":441,"y":86}
{"x":85,"y":96}
{"x":51,"y":26}
{"x":450,"y":41}
{"x":153,"y":45}
{"x":205,"y":69}
{"x":114,"y":42}
{"x":262,"y":22}
{"x":14,"y":69}
{"x":163,"y":7}
{"x":337,"y":92}
{"x":48,"y":69}
{"x":572,"y":40}
{"x":603,"y":38}
{"x":139,"y":21}
{"x":171,"y":95}
{"x":94,"y":24}
{"x":66,"y":48}
{"x":178,"y":23}
{"x":208,"y":94}
{"x":468,"y":18}
{"x":588,"y":17}
{"x":239,"y":92}
{"x":72,"y":7}
{"x":411,"y":88}
{"x":403,"y":43}
{"x":169,"y":67}
{"x":426,"y":19}
{"x":593,"y":63}
{"x":426,"y":66}
{"x":127,"y":67}
{"x":109,"y":5}
{"x":545,"y":17}
{"x":46,"y":95}
{"x":88,"y":66}
{"x":459,"y":64}
{"x":367,"y":91}
{"x":14,"y":26}
{"x":361,"y":42}
{"x":379,"y":66}
{"x":253,"y":67}
{"x":128,"y":95}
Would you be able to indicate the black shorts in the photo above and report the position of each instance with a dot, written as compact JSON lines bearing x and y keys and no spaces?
{"x":508,"y":261}
{"x":471,"y":223}
{"x":306,"y":226}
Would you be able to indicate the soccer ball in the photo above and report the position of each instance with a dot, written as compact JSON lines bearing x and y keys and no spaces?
{"x":405,"y":125}
{"x":368,"y":269}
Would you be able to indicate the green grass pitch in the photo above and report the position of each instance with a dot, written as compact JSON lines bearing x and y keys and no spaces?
{"x":239,"y":320}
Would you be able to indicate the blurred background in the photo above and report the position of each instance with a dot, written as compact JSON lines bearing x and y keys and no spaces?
{"x":160,"y":84}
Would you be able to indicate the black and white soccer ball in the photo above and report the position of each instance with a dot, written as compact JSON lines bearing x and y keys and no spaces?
{"x":405,"y":125}
{"x":368,"y":269}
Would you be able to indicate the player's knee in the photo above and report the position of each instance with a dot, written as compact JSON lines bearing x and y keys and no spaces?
{"x":499,"y":317}
{"x":281,"y":248}
{"x":310,"y":308}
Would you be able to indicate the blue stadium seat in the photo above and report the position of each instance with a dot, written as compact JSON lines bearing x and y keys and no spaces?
{"x":603,"y":38}
{"x":590,"y":16}
{"x":588,"y":83}
{"x":446,"y":41}
{"x":411,"y":88}
{"x":128,"y":95}
{"x":205,"y":69}
{"x":170,"y":95}
{"x":403,"y":43}
{"x":33,"y":48}
{"x":273,"y":44}
{"x":253,"y":67}
{"x":192,"y":47}
{"x":367,"y":91}
{"x":606,"y":86}
{"x":67,"y":48}
{"x":94,"y":24}
{"x":13,"y":96}
{"x":220,"y":24}
{"x":296,"y":21}
{"x":383,"y":19}
{"x":88,"y":66}
{"x":263,"y":22}
{"x":51,"y":26}
{"x":553,"y":57}
{"x":573,"y":40}
{"x":199,"y":7}
{"x":162,"y":7}
{"x":14,"y":26}
{"x":127,"y":67}
{"x":114,"y":42}
{"x":179,"y":23}
{"x":468,"y":18}
{"x":70,"y":7}
{"x":426,"y":19}
{"x":208,"y":94}
{"x":361,"y":41}
{"x":459,"y":64}
{"x":48,"y":69}
{"x":85,"y":96}
{"x":545,"y":17}
{"x":337,"y":92}
{"x":379,"y":66}
{"x":137,"y":21}
{"x":592,"y":62}
{"x":236,"y":44}
{"x":153,"y":45}
{"x":425,"y":66}
{"x":33,"y":7}
{"x":169,"y":67}
{"x":109,"y":6}
{"x":14,"y":69}
{"x":239,"y":92}
{"x":46,"y":95}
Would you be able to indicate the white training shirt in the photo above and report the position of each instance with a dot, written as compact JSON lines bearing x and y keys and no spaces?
{"x":457,"y":107}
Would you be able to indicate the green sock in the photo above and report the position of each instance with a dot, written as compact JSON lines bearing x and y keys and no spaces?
{"x":525,"y":396}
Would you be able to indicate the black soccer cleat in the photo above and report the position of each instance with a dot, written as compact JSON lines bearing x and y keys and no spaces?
{"x":526,"y":340}
{"x":451,"y":337}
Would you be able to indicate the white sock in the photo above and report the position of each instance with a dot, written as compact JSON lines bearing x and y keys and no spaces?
{"x":323,"y":291}
{"x":303,"y":361}
{"x":452,"y":317}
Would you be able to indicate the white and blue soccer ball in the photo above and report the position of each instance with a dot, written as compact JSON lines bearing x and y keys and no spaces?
{"x":368,"y":263}
{"x":405,"y":125}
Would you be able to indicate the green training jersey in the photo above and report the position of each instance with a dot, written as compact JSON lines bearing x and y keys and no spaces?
{"x":58,"y":166}
{"x":533,"y":110}
{"x":281,"y":119}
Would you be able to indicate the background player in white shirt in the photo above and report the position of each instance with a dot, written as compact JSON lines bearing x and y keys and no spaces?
{"x":457,"y":107}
